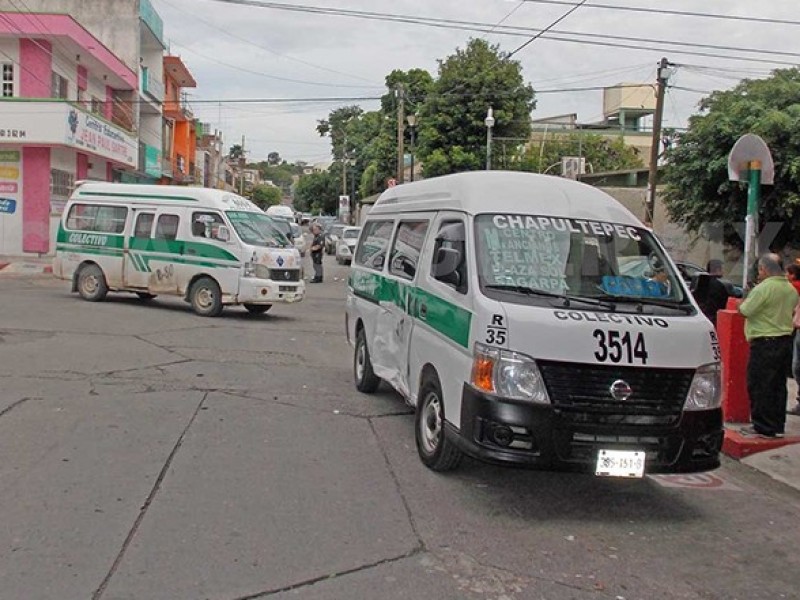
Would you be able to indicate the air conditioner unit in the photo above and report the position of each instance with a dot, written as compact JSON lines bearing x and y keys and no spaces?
{"x":572,"y":166}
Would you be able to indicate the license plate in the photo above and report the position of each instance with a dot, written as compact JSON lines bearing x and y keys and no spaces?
{"x":620,"y":463}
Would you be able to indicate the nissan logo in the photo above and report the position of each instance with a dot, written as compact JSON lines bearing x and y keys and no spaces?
{"x":620,"y":390}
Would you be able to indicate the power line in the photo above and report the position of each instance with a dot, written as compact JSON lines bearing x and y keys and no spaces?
{"x":682,"y":13}
{"x":217,"y":28}
{"x":549,"y":27}
{"x":487,"y":28}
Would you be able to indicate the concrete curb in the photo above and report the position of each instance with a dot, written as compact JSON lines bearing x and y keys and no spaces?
{"x":25,"y":268}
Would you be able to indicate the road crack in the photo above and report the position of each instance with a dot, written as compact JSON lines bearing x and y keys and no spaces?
{"x":14,"y":405}
{"x":98,"y":593}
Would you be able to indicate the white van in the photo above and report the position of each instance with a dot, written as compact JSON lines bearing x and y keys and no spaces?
{"x":498,"y":304}
{"x":282,"y":211}
{"x":211,"y":247}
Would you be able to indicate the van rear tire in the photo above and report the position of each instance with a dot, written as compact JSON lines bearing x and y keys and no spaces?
{"x":366,"y":380}
{"x":436,"y":451}
{"x":257,"y":309}
{"x":206,"y":297}
{"x":92,"y":284}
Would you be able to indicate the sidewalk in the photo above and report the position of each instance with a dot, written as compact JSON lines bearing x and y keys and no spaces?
{"x":25,"y":265}
{"x":781,"y":463}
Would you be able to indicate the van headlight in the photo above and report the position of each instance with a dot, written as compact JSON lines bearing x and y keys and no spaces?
{"x":705,"y":392}
{"x":255,"y":270}
{"x":508,"y":374}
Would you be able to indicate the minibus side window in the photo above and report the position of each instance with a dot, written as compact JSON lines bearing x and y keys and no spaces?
{"x":371,"y":251}
{"x":144,"y":225}
{"x":407,"y":248}
{"x":206,"y":224}
{"x":167,"y":227}
{"x":103,"y":219}
{"x":449,"y":263}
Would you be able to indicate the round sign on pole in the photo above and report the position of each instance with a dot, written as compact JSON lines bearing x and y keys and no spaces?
{"x":748,"y":148}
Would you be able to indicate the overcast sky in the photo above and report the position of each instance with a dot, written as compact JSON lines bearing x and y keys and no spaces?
{"x":237,"y":51}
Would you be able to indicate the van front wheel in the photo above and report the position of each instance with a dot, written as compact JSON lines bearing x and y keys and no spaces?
{"x":366,"y":380}
{"x":92,"y":283}
{"x":206,"y":297}
{"x":435,"y":450}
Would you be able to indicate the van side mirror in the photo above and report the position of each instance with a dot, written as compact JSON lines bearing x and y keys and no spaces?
{"x":223,"y":234}
{"x":445,"y":266}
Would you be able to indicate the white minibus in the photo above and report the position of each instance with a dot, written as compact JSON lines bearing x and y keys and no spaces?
{"x":533,"y":320}
{"x":210,"y":247}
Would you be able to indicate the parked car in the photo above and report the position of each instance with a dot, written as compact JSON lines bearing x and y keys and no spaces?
{"x":332,"y":235}
{"x":299,"y":239}
{"x":346,"y":246}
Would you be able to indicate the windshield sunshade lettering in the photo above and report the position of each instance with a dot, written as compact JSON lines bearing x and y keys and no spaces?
{"x":598,"y":228}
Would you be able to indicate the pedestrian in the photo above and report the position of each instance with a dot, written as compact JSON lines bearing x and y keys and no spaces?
{"x":716,"y":296}
{"x":793,"y":275}
{"x":768,"y":328}
{"x":317,"y":245}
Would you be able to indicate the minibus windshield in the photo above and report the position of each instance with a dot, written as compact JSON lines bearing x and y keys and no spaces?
{"x":574,"y":257}
{"x":257,"y":229}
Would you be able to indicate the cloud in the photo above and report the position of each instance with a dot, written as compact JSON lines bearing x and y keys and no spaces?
{"x":331,"y":54}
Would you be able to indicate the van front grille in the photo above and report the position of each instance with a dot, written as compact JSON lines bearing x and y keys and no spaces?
{"x":284,"y":274}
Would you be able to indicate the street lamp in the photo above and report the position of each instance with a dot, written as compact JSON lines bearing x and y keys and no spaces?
{"x":489,"y":121}
{"x":412,"y":124}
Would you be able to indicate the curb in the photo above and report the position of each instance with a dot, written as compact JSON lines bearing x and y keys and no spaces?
{"x":739,"y":446}
{"x":25,"y":268}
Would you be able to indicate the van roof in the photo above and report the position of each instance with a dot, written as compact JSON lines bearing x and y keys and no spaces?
{"x":478,"y":192}
{"x":173,"y":195}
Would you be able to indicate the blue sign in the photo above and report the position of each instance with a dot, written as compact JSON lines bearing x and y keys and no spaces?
{"x":8,"y":206}
{"x":634,"y":287}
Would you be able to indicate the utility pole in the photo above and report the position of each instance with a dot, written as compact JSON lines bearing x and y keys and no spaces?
{"x":344,"y":167}
{"x":661,"y":89}
{"x":241,"y":170}
{"x":401,"y":130}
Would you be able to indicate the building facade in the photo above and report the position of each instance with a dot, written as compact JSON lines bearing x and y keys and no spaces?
{"x":179,"y":136}
{"x":63,"y":117}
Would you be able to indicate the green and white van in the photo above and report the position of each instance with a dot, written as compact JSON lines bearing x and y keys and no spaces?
{"x":210,"y":247}
{"x":533,"y":320}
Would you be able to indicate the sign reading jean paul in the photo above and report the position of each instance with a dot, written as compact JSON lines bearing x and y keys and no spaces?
{"x":98,"y":137}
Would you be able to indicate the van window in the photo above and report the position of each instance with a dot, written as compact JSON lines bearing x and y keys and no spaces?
{"x":144,"y":225}
{"x":167,"y":227}
{"x":206,"y":224}
{"x":407,"y":248}
{"x":372,"y":250}
{"x":93,"y":217}
{"x":450,"y":237}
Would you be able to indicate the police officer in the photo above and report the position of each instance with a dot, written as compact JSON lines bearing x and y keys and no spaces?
{"x":317,"y":246}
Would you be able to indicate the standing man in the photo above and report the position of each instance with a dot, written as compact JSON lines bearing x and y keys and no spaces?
{"x":768,"y":328}
{"x":317,"y":245}
{"x":717,"y":295}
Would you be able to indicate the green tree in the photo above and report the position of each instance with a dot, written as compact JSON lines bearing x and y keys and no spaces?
{"x":601,"y":153}
{"x":452,"y":133}
{"x":264,"y":196}
{"x":274,"y":158}
{"x":697,"y":186}
{"x":236,"y":152}
{"x":318,"y":193}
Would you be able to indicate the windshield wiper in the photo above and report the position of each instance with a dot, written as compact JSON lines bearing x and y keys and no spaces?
{"x":687,"y":308}
{"x":567,"y":298}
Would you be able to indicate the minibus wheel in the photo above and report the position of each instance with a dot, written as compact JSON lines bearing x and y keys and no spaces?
{"x":366,"y":380}
{"x":206,"y":297}
{"x":436,"y":451}
{"x":257,"y":309}
{"x":92,"y":283}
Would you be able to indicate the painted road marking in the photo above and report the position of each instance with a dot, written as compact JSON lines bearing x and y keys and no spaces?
{"x":695,"y":481}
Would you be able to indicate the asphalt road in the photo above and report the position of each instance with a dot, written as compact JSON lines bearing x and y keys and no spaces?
{"x":151,"y":454}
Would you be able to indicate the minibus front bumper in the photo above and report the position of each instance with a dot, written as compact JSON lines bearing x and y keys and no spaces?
{"x":550,"y":437}
{"x":267,"y":291}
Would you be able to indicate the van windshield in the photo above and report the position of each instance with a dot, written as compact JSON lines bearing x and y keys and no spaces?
{"x":257,"y":229}
{"x":555,"y":256}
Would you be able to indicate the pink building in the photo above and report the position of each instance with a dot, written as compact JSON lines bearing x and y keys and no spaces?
{"x":66,"y":113}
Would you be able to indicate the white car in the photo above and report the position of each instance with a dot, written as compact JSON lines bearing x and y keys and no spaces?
{"x":299,"y":239}
{"x":346,"y":246}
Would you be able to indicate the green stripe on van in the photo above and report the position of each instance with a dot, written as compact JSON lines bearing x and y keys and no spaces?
{"x":441,"y":315}
{"x":137,"y":196}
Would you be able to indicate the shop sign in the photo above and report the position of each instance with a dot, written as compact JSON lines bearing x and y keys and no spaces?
{"x":9,"y":187}
{"x":9,"y":155}
{"x":8,"y":206}
{"x":98,"y":137}
{"x":152,"y":161}
{"x":9,"y":172}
